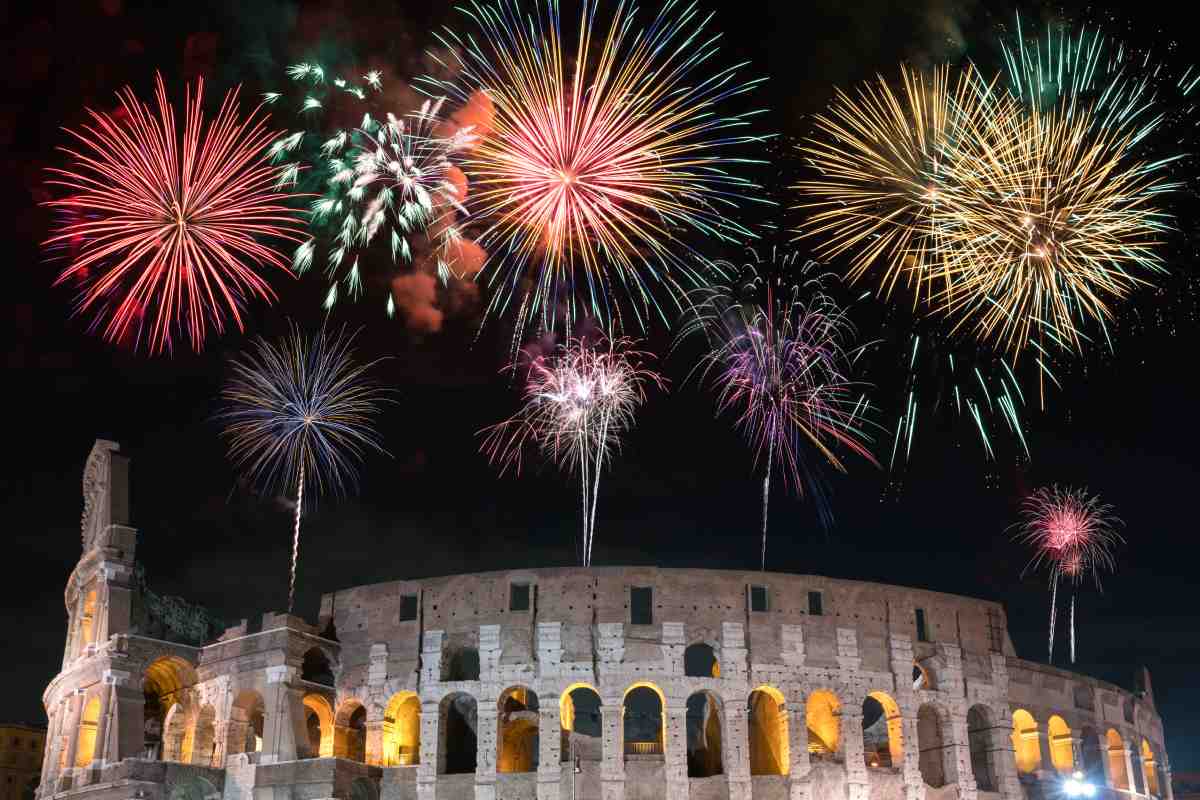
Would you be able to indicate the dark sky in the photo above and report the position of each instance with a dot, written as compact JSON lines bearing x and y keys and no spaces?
{"x":683,"y":493}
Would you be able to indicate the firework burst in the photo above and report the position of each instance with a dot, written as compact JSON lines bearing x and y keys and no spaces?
{"x":780,"y":353}
{"x":1073,"y":535}
{"x":607,"y":150}
{"x":578,"y":402}
{"x":166,"y":227}
{"x":299,"y":415}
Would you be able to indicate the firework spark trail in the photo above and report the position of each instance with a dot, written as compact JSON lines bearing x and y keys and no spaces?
{"x":167,"y":223}
{"x":299,"y":412}
{"x":1074,"y":535}
{"x":381,"y":175}
{"x":779,"y":358}
{"x":578,"y":402}
{"x":608,"y":148}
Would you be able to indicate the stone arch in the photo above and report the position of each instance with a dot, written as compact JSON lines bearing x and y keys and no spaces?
{"x":700,"y":661}
{"x":979,"y":738}
{"x":579,"y":718}
{"x":1090,"y":756}
{"x":643,"y":711}
{"x":460,"y":664}
{"x":932,"y":749}
{"x":318,"y":721}
{"x":193,"y":787}
{"x":317,"y":667}
{"x":402,"y":730}
{"x":1026,"y":748}
{"x":247,"y":720}
{"x":823,"y":713}
{"x":517,"y":730}
{"x":1062,"y":752}
{"x":204,"y":740}
{"x":883,"y":731}
{"x":705,"y":756}
{"x":177,"y":734}
{"x":85,"y":741}
{"x":164,"y":686}
{"x":350,"y":731}
{"x":1149,"y":768}
{"x":458,"y":725}
{"x":767,"y":718}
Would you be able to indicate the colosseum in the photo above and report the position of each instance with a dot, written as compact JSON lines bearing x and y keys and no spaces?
{"x":556,"y":684}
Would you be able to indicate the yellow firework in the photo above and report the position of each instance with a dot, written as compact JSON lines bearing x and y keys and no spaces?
{"x":879,"y":160}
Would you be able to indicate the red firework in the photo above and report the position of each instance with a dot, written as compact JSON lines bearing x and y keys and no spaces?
{"x":1071,"y":531}
{"x":168,"y":226}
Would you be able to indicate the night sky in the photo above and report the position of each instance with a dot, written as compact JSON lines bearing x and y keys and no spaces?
{"x":683,"y":493}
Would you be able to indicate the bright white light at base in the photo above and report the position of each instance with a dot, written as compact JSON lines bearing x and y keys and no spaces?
{"x":1074,"y":787}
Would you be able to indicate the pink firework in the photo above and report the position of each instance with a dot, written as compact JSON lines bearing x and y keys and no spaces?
{"x":166,"y":226}
{"x":1074,"y":535}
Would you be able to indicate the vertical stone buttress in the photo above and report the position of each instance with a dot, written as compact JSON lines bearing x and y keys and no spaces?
{"x":549,"y":658}
{"x":432,"y":749}
{"x":735,"y":671}
{"x":675,"y":747}
{"x":1003,"y":759}
{"x":611,"y":652}
{"x":487,"y":712}
{"x":376,"y":702}
{"x":799,"y":763}
{"x":857,"y":784}
{"x":901,"y":653}
{"x":958,"y":745}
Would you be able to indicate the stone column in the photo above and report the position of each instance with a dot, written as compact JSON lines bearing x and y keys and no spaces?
{"x":1107,"y":767}
{"x":1004,"y":760}
{"x":73,"y":711}
{"x":374,"y":743}
{"x":54,"y":745}
{"x":487,"y":715}
{"x":431,"y":755}
{"x":100,"y":752}
{"x":549,"y":771}
{"x":675,"y":747}
{"x":612,"y":765}
{"x":735,"y":748}
{"x":798,"y":759}
{"x":857,"y":785}
{"x":958,"y":755}
{"x":1046,"y":770}
{"x":914,"y":784}
{"x":1133,"y":782}
{"x":283,"y":720}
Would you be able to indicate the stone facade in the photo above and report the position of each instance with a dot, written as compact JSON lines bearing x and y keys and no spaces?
{"x":603,"y":683}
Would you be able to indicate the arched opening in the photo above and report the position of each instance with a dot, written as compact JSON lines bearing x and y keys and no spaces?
{"x":1091,"y":756}
{"x":318,"y":721}
{"x":316,"y":667}
{"x":823,"y":714}
{"x":1149,"y":768}
{"x":931,"y":746}
{"x":350,"y":733}
{"x":517,"y":731}
{"x":85,"y":744}
{"x":704,"y":756}
{"x":461,"y":664}
{"x":699,"y":661}
{"x":1062,"y":754}
{"x":247,"y":719}
{"x":87,"y":619}
{"x":979,"y":734}
{"x":1026,"y":749}
{"x":883,"y":731}
{"x":459,"y":721}
{"x":921,"y":678}
{"x":579,"y":716}
{"x":163,"y":689}
{"x":767,"y":721}
{"x":402,"y":730}
{"x":204,"y":744}
{"x":643,"y":716}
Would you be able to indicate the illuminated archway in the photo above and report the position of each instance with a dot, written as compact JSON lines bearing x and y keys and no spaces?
{"x":770,"y":753}
{"x":579,"y":718}
{"x":1026,"y":749}
{"x":979,"y":732}
{"x":247,"y":722}
{"x":1062,"y":754}
{"x":703,"y":721}
{"x":644,"y":720}
{"x":85,"y":743}
{"x":823,"y":714}
{"x":177,"y":735}
{"x":517,"y":731}
{"x":931,"y":746}
{"x":1149,"y":768}
{"x":1116,"y":760}
{"x":402,"y":730}
{"x":350,"y":731}
{"x":318,"y":721}
{"x":881,"y":718}
{"x":163,"y":689}
{"x":204,"y":740}
{"x":700,"y":661}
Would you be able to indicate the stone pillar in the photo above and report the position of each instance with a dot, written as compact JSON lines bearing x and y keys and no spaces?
{"x":857,"y":785}
{"x":549,"y":771}
{"x":733,"y":652}
{"x":1107,"y":767}
{"x":798,"y":758}
{"x":431,"y":752}
{"x":73,"y":712}
{"x":1167,"y":792}
{"x":959,"y":755}
{"x":487,"y":715}
{"x":914,"y":784}
{"x":735,"y":747}
{"x":54,"y":749}
{"x":373,"y":753}
{"x":1004,"y":760}
{"x":612,"y":765}
{"x":283,"y":721}
{"x":103,"y":722}
{"x":1045,"y":770}
{"x":1133,"y":782}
